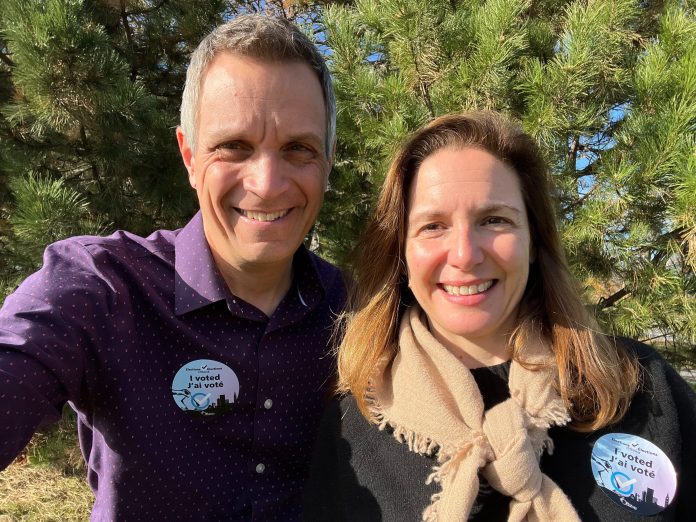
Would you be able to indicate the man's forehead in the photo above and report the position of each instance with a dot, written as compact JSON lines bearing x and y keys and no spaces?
{"x":242,"y":95}
{"x":241,"y":77}
{"x":234,"y":64}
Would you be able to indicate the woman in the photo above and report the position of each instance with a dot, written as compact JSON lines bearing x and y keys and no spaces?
{"x":468,"y":344}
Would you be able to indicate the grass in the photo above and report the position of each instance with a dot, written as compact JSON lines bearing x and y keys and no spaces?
{"x":47,"y":481}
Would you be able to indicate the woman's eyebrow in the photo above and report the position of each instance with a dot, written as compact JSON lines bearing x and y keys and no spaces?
{"x":498,"y":206}
{"x":424,"y":214}
{"x":434,"y":213}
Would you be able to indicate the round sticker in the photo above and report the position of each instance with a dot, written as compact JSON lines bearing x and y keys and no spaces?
{"x":205,"y":387}
{"x":634,"y":473}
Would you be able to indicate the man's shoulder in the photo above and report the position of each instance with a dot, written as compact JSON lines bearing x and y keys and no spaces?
{"x":96,"y":263}
{"x":121,"y":243}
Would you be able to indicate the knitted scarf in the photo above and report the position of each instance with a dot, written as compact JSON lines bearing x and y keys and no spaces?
{"x":433,"y":403}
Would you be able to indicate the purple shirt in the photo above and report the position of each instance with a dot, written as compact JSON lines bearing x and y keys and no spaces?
{"x":192,"y":404}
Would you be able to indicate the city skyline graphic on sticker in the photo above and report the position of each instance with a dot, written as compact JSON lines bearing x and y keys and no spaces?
{"x":205,"y":387}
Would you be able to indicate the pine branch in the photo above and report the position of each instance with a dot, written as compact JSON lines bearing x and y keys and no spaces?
{"x":155,"y":7}
{"x":661,"y":336}
{"x":426,"y":97}
{"x":573,"y":152}
{"x":612,"y":299}
{"x":578,"y":202}
{"x":129,"y":39}
{"x":93,"y":166}
{"x":661,"y":255}
{"x":589,"y":170}
{"x":6,"y":59}
{"x":422,"y":85}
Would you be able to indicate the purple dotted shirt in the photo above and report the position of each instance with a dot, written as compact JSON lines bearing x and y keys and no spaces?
{"x":192,"y":404}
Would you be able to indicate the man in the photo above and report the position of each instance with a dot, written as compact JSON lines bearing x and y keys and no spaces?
{"x":196,"y":359}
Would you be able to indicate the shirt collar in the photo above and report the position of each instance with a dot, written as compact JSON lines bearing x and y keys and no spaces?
{"x":198,"y":282}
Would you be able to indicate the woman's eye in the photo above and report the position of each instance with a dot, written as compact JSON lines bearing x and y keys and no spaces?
{"x":431,"y":227}
{"x":496,"y":220}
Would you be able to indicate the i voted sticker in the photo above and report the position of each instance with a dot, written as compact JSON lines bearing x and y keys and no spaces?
{"x":205,"y":387}
{"x":634,"y":473}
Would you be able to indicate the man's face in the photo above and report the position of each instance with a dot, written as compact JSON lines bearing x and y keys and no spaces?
{"x":259,"y":167}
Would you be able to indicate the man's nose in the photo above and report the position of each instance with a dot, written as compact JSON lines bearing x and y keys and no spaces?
{"x":265,"y":177}
{"x":465,"y":249}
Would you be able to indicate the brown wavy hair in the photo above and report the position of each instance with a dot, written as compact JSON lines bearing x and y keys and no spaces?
{"x":597,"y":376}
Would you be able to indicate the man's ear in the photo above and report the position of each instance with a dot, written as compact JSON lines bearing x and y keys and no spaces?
{"x":329,"y":166}
{"x":332,"y":158}
{"x":186,"y":155}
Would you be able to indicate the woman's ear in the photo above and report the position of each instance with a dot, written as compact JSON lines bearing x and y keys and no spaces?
{"x":404,"y":276}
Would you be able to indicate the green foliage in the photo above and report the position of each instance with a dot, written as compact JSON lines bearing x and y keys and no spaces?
{"x":47,"y":211}
{"x":607,"y":87}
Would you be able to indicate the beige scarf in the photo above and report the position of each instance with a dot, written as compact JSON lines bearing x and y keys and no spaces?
{"x":433,"y":403}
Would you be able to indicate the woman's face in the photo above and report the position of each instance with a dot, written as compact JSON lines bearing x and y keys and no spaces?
{"x":468,"y":245}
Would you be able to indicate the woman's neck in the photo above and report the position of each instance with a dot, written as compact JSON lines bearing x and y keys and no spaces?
{"x":475,"y":353}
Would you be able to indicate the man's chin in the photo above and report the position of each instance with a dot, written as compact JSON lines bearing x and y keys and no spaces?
{"x":260,"y":255}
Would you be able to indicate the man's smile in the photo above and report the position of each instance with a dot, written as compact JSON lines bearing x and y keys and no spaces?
{"x":262,"y":216}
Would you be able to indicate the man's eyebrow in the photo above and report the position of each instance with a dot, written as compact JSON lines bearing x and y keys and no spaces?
{"x":226,"y":134}
{"x":306,"y":136}
{"x":239,"y":134}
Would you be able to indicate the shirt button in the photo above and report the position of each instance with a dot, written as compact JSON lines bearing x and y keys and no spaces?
{"x":260,"y":468}
{"x":268,"y":404}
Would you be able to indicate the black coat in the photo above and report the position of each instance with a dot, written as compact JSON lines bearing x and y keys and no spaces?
{"x":362,"y":474}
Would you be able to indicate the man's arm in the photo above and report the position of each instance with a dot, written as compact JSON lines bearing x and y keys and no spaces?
{"x":44,"y":328}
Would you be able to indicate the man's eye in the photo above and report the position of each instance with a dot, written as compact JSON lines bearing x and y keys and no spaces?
{"x":233,"y":150}
{"x":300,"y":151}
{"x":233,"y":145}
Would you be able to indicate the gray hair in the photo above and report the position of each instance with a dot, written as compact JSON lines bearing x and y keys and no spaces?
{"x":263,"y":38}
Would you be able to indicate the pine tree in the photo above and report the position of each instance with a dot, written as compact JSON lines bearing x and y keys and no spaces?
{"x":607,"y":87}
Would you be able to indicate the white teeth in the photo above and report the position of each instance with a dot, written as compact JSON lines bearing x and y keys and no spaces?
{"x":468,"y":290}
{"x":263,"y":216}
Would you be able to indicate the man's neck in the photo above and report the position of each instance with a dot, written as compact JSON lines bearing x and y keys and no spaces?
{"x":262,"y":286}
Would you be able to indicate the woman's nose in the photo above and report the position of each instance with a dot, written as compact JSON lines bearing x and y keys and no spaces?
{"x":465,"y":249}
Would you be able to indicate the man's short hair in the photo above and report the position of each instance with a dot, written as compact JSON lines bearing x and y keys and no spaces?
{"x":258,"y":37}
